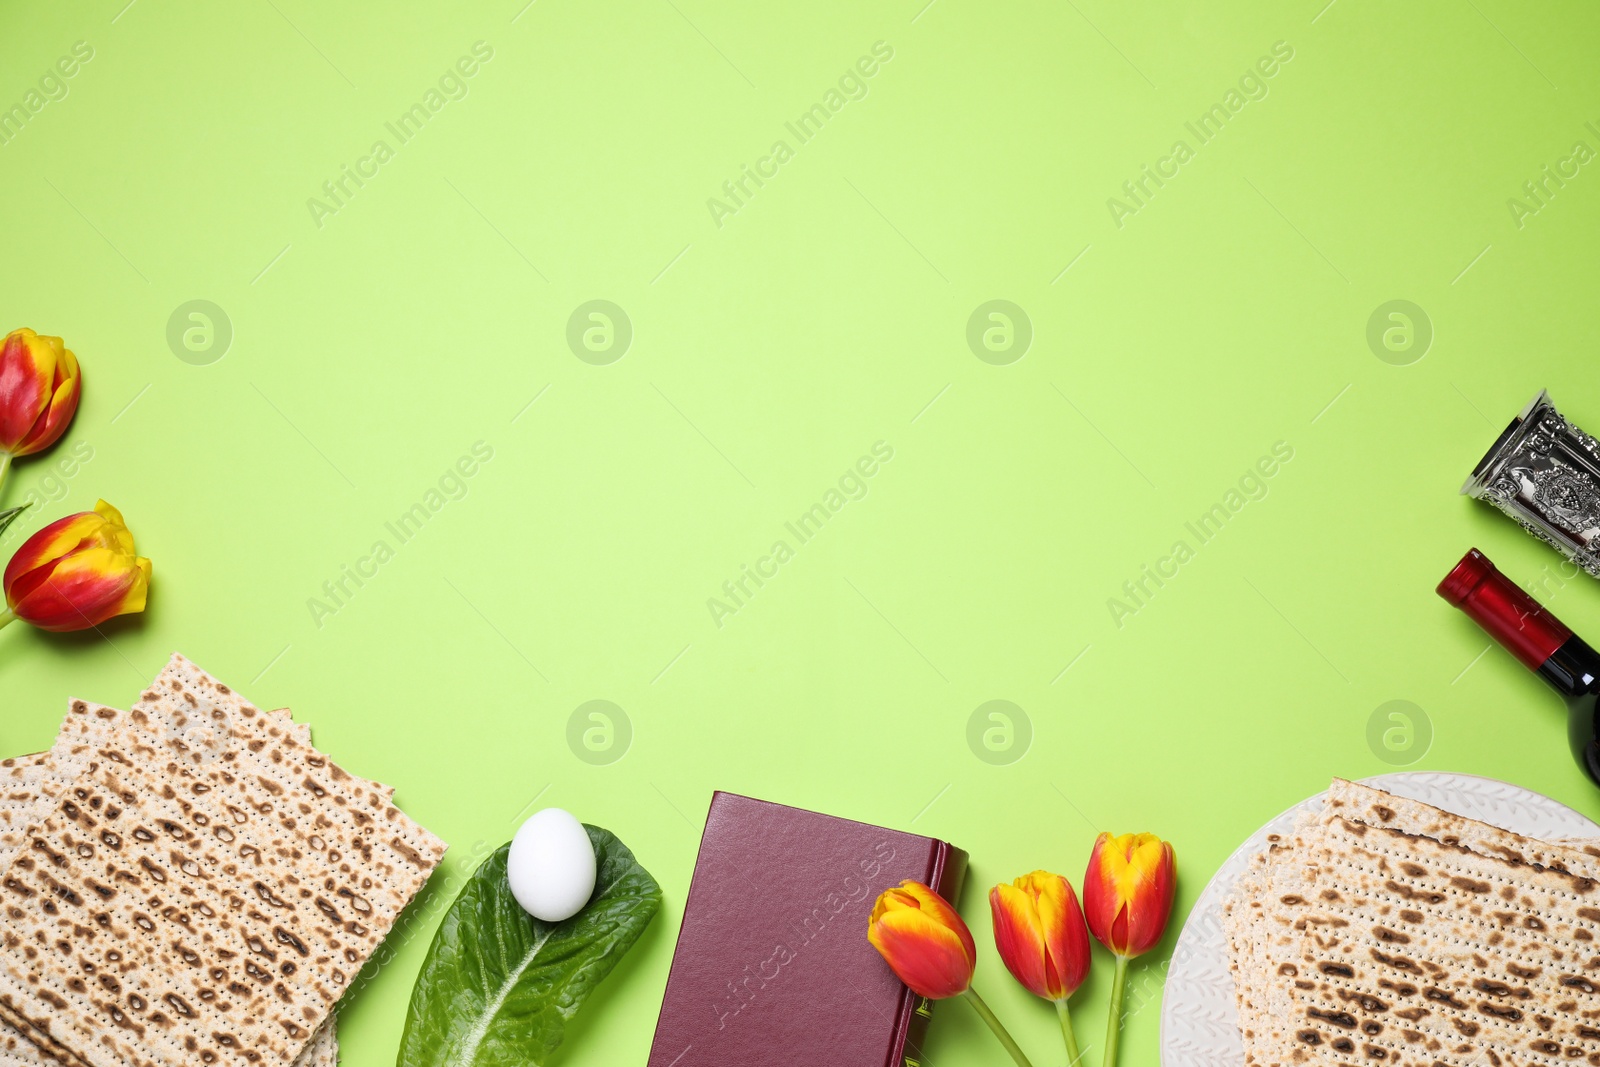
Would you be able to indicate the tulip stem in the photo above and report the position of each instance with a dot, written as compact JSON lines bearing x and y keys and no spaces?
{"x":994,"y":1024}
{"x":1114,"y":1023}
{"x":7,"y":617}
{"x":1066,"y":1033}
{"x":5,"y":466}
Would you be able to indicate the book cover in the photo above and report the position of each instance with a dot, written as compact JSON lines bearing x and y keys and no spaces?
{"x":773,"y":963}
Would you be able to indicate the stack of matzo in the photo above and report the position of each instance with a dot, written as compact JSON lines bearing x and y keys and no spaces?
{"x":1384,"y":931}
{"x":190,"y":882}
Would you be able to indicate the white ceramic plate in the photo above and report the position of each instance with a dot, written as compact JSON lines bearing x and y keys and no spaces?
{"x":1199,"y":1020}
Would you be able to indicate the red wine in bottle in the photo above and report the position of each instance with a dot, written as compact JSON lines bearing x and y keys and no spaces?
{"x":1540,"y":641}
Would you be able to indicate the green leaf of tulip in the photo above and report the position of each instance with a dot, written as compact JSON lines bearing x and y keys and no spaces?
{"x":9,"y":516}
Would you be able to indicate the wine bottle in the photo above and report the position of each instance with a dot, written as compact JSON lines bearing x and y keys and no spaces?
{"x":1540,"y":641}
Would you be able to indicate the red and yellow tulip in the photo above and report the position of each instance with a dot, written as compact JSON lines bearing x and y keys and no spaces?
{"x":1128,"y":890}
{"x":1127,"y":900}
{"x":930,"y":949}
{"x":1042,"y":939}
{"x":1040,"y":934}
{"x":923,"y":940}
{"x":39,"y":387}
{"x":76,"y":573}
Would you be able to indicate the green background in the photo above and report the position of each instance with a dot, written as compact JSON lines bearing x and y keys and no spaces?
{"x":770,"y":352}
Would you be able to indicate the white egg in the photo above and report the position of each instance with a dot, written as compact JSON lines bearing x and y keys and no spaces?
{"x":551,"y":865}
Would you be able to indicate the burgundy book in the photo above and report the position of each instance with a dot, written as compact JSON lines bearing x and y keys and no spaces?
{"x":773,"y":963}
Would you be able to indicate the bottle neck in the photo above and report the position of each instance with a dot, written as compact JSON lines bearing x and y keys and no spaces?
{"x":1506,"y":613}
{"x":1573,"y":670}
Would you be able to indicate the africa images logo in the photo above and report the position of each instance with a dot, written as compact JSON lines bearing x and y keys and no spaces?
{"x":799,"y":931}
{"x":452,"y":485}
{"x":1139,"y":591}
{"x":852,"y":85}
{"x":1252,"y":85}
{"x":1537,"y":192}
{"x":52,"y":87}
{"x":852,"y":485}
{"x":452,"y":85}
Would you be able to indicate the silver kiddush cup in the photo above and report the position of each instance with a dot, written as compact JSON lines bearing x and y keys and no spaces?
{"x":1545,"y":473}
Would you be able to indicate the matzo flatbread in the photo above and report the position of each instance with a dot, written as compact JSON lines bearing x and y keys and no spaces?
{"x":30,"y":777}
{"x":1420,"y":938}
{"x":49,"y":773}
{"x":228,"y":893}
{"x":26,"y":778}
{"x":19,"y":786}
{"x":18,"y":1051}
{"x":1426,"y":944}
{"x":1388,"y":811}
{"x":1245,"y":925}
{"x":22,"y":778}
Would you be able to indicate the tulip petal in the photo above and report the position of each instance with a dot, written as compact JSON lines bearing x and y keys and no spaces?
{"x":1066,"y":934}
{"x":925,"y":899}
{"x":1040,"y":934}
{"x":923,"y":940}
{"x":83,"y":590}
{"x":1154,"y":886}
{"x":57,"y":416}
{"x":1019,"y":938}
{"x":27,"y":376}
{"x":115,"y":532}
{"x":78,"y":572}
{"x":1128,"y":891}
{"x":926,"y":955}
{"x":133,"y":600}
{"x":51,"y":543}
